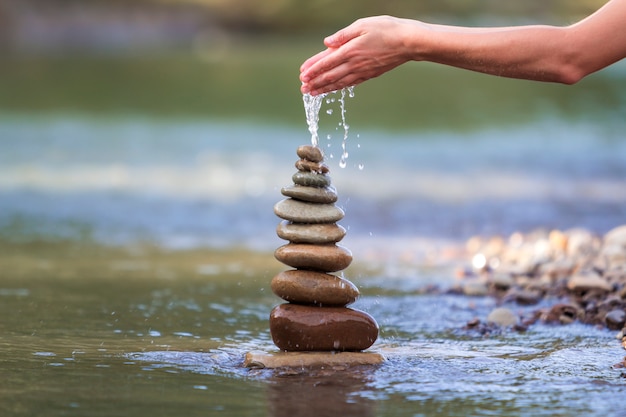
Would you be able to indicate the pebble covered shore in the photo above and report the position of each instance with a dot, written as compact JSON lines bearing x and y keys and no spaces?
{"x":578,"y":275}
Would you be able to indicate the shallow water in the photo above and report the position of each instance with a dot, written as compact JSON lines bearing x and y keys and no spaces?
{"x":136,"y":256}
{"x":93,"y":330}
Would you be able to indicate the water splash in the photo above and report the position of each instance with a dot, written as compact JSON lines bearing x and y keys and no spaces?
{"x":312,"y":106}
{"x":346,"y":127}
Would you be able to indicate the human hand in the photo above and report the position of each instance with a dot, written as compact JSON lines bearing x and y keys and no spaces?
{"x":366,"y":49}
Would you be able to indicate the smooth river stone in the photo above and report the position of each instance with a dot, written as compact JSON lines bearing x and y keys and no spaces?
{"x":326,"y":195}
{"x":311,"y":179}
{"x":308,"y":287}
{"x":307,"y":328}
{"x":310,"y":166}
{"x":301,"y":360}
{"x":324,"y":258}
{"x":303,"y":212}
{"x":312,"y":153}
{"x":310,"y":233}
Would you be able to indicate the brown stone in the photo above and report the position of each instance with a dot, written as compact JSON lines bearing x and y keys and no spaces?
{"x":303,"y":212}
{"x":308,"y":287}
{"x":311,"y":179}
{"x":310,"y":233}
{"x":312,"y":153}
{"x":310,"y":166}
{"x":307,"y":328}
{"x":615,"y":319}
{"x":325,"y":258}
{"x":310,"y":359}
{"x":324,"y":195}
{"x":563,"y":313}
{"x":586,"y":282}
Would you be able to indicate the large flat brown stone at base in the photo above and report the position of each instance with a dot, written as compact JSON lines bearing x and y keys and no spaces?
{"x":310,"y":359}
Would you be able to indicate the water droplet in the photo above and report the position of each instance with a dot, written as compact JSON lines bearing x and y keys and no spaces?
{"x":361,"y":166}
{"x":329,"y":111}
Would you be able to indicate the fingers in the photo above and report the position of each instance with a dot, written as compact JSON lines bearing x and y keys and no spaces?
{"x":321,"y":73}
{"x":313,"y":60}
{"x":343,"y":36}
{"x":340,"y":77}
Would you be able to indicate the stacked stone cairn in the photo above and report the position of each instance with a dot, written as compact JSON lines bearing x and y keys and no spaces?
{"x":315,"y":317}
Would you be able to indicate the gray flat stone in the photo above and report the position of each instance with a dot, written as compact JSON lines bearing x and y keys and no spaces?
{"x":303,"y":212}
{"x":309,"y":166}
{"x":311,"y":179}
{"x":310,"y":233}
{"x":310,"y":359}
{"x":325,"y":195}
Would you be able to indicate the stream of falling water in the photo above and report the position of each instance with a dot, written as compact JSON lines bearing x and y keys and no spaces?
{"x":312,"y":107}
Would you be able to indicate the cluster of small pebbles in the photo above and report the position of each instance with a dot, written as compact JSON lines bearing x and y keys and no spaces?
{"x":580,"y":275}
{"x":316,"y":316}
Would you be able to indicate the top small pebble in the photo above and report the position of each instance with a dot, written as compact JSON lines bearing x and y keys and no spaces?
{"x":311,"y":153}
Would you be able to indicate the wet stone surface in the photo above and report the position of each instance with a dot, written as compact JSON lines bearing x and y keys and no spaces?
{"x":303,"y":212}
{"x":310,"y":233}
{"x":309,"y":287}
{"x":324,"y":258}
{"x":325,"y":195}
{"x":308,"y":328}
{"x":316,"y":318}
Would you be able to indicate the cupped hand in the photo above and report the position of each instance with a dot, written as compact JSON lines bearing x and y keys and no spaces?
{"x":366,"y":49}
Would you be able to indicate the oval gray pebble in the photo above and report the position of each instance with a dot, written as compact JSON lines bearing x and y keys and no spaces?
{"x":303,"y":212}
{"x":310,"y":233}
{"x":324,"y":195}
{"x":311,"y":179}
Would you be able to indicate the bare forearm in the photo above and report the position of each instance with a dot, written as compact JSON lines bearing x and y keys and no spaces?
{"x":541,"y":53}
{"x":372,"y":46}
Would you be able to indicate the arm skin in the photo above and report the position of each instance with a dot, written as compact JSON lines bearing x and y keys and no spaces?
{"x":372,"y":46}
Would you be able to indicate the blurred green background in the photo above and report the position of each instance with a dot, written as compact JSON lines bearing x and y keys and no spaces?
{"x":239,"y":59}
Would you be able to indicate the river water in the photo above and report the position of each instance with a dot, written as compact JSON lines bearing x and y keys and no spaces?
{"x":136,"y":256}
